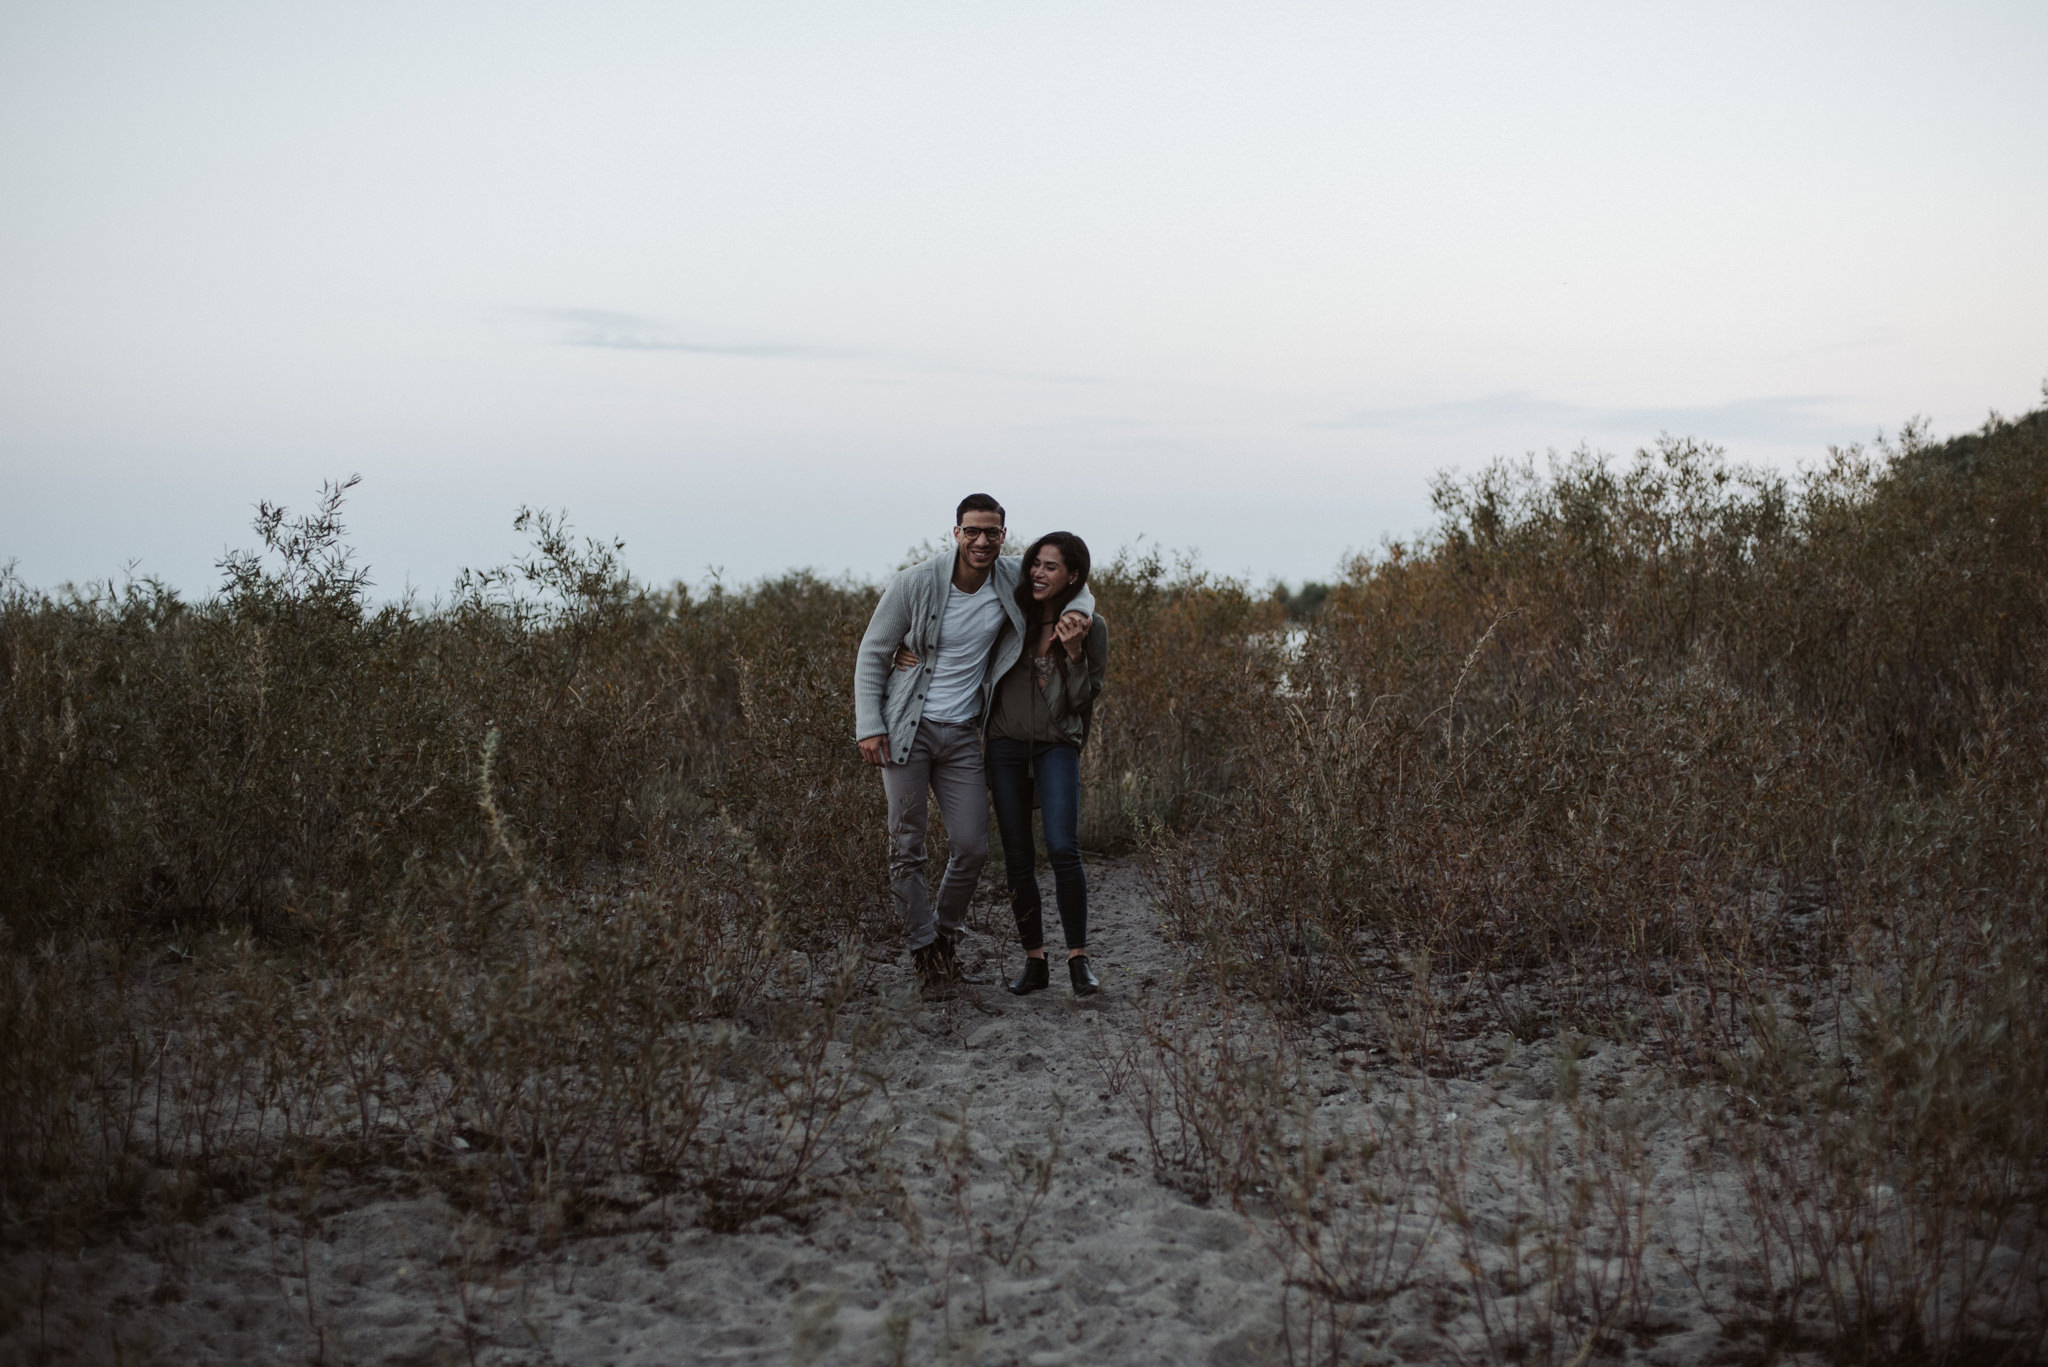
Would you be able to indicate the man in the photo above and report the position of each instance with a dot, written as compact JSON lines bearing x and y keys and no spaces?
{"x":957,"y":615}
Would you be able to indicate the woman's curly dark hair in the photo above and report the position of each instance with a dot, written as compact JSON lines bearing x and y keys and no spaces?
{"x":1074,"y":551}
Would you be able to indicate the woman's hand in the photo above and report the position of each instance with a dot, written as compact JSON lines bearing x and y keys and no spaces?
{"x":904,"y":659}
{"x":1072,"y":632}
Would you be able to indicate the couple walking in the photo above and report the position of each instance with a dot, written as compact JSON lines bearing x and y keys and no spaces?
{"x":976,"y":679}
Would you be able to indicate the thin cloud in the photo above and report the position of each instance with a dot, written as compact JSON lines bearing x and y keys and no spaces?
{"x":982,"y":372}
{"x":1509,"y":406}
{"x":610,"y":330}
{"x":613,"y":330}
{"x":1791,"y":417}
{"x":1864,"y":341}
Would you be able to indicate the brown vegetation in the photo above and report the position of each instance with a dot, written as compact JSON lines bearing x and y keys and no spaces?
{"x":554,"y":895}
{"x":1754,"y":770}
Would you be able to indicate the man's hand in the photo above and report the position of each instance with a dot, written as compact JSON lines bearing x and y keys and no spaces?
{"x":875,"y":750}
{"x":1072,"y":632}
{"x":904,"y":659}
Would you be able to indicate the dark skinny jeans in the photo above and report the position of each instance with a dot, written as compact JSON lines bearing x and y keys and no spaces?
{"x":1010,"y":767}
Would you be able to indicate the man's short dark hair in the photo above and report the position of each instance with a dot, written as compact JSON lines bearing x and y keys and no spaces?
{"x":979,"y":503}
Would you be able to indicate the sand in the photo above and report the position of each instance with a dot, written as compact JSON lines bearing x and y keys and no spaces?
{"x":937,"y":1244}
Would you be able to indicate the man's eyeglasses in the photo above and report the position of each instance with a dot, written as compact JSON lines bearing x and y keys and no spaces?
{"x":980,"y":533}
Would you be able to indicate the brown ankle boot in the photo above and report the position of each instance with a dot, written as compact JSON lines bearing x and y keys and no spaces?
{"x":934,"y":978}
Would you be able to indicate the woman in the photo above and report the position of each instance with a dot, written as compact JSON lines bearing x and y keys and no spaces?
{"x":1037,"y":724}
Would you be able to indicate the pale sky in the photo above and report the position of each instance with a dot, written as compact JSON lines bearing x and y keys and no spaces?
{"x":762,"y":285}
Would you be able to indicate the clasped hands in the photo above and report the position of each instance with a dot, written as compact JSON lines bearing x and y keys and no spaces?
{"x":1071,"y":631}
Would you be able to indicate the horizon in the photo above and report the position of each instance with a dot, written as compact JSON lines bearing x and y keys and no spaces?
{"x":756,"y":288}
{"x":431,"y":598}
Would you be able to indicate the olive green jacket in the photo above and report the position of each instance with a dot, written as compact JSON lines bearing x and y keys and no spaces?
{"x":890,"y":702}
{"x":1071,"y":700}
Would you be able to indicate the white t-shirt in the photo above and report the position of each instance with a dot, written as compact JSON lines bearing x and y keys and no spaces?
{"x":967,"y":637}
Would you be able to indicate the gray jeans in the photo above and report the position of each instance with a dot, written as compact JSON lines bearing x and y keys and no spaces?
{"x":944,"y":759}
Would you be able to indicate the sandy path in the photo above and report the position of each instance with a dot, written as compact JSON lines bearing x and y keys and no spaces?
{"x":930,"y":1249}
{"x":930,"y":1258}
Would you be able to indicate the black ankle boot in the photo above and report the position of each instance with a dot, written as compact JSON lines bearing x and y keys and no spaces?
{"x":1085,"y":984}
{"x":1036,"y":977}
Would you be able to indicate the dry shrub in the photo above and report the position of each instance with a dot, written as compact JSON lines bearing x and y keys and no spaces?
{"x":1355,"y":1212}
{"x":1913,"y":599}
{"x":1564,"y":1273}
{"x":539,"y":893}
{"x":544,"y":1058}
{"x":1394,"y":1223}
{"x":1892,"y":1139}
{"x":1516,"y":747}
{"x":1748,"y":766}
{"x":1896,"y":1201}
{"x":1687,"y":749}
{"x":1212,"y":1095}
{"x":52,"y":1054}
{"x":1188,"y":653}
{"x":814,"y":817}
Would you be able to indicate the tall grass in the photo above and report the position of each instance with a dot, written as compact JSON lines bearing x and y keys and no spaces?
{"x":286,"y":872}
{"x":561,"y":883}
{"x":1749,"y":766}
